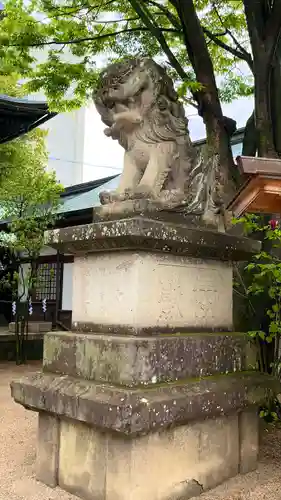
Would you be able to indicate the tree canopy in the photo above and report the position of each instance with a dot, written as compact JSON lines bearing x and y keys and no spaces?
{"x":215,"y":50}
{"x":29,"y":195}
{"x":122,"y":28}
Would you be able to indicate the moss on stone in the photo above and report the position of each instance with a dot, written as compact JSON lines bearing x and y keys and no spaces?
{"x":192,"y":380}
{"x":202,"y":334}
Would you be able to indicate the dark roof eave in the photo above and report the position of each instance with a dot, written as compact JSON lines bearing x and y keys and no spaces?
{"x":19,"y":116}
{"x":86,"y":186}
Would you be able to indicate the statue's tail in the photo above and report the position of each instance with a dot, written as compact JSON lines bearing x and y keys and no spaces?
{"x":201,"y":188}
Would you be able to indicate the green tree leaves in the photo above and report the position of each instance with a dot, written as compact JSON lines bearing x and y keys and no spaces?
{"x":113,"y":29}
{"x":29,"y":195}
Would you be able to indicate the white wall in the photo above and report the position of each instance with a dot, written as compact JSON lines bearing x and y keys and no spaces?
{"x":65,"y":141}
{"x":65,"y":145}
{"x":67,"y":287}
{"x":102,"y":155}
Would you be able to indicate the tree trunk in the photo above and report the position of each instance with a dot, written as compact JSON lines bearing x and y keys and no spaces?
{"x":264,"y":131}
{"x":275,"y":100}
{"x":263,"y":21}
{"x":218,"y":140}
{"x":250,"y":137}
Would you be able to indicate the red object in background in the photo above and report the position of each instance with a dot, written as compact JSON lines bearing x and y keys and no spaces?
{"x":273,"y":224}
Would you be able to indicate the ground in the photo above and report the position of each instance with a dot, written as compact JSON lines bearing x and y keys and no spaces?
{"x":17,"y":444}
{"x":17,"y":457}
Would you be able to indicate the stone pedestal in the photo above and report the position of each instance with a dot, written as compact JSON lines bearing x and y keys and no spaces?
{"x":152,"y":395}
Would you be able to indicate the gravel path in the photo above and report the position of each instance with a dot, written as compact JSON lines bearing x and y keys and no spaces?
{"x":17,"y":457}
{"x":18,"y":429}
{"x":263,"y":484}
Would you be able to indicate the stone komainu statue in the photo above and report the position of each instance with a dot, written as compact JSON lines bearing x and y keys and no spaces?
{"x":140,"y":107}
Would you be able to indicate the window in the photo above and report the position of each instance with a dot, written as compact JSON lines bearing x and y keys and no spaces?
{"x":46,"y":281}
{"x":237,"y":149}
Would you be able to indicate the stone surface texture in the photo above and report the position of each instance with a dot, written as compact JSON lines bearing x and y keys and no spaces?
{"x":156,"y":466}
{"x":136,"y":361}
{"x":48,"y":449}
{"x":141,"y":109}
{"x":249,"y":441}
{"x":18,"y":439}
{"x":152,"y":395}
{"x":148,"y":234}
{"x":162,"y":292}
{"x":140,"y":411}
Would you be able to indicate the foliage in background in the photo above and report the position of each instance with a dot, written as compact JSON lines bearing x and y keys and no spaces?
{"x":216,"y":50}
{"x":264,"y":278}
{"x":29,"y":198}
{"x":114,"y":29}
{"x":261,"y":285}
{"x":29,"y":195}
{"x":169,"y":31}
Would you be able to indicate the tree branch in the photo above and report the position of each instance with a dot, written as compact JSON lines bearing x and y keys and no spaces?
{"x":272,"y":25}
{"x":272,"y":29}
{"x":121,"y":20}
{"x":144,"y":15}
{"x":89,"y":39}
{"x":264,"y":26}
{"x":246,"y":56}
{"x":237,"y":53}
{"x":172,"y":18}
{"x":238,"y":45}
{"x":255,"y":25}
{"x":64,"y":9}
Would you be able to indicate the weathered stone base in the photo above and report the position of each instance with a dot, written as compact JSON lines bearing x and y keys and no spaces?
{"x":167,"y":442}
{"x":139,"y":361}
{"x":137,"y":418}
{"x":178,"y":463}
{"x":152,"y":397}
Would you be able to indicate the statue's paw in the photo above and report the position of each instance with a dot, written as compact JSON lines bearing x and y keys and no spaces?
{"x":112,"y":196}
{"x":105,"y":197}
{"x":108,"y":132}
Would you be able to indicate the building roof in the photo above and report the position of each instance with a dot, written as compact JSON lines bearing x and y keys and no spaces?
{"x":85,"y":196}
{"x":18,"y":116}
